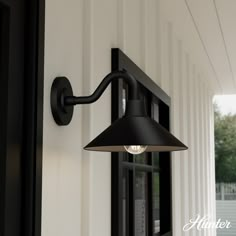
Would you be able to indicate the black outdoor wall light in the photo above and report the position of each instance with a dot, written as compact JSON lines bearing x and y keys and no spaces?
{"x":135,"y":132}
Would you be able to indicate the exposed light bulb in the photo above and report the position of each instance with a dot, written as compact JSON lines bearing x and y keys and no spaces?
{"x":135,"y":149}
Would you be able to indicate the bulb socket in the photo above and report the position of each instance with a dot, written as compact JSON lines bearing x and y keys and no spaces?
{"x":135,"y":108}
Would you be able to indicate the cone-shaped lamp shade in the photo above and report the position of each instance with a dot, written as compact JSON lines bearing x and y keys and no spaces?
{"x":135,"y":130}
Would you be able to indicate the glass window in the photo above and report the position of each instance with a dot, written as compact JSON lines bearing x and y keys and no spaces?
{"x":141,"y":198}
{"x":140,"y":189}
{"x":156,"y":204}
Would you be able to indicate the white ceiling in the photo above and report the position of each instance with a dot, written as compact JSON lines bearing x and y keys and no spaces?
{"x":214,"y":21}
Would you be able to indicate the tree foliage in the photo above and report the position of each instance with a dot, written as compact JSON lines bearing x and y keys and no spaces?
{"x":225,"y":146}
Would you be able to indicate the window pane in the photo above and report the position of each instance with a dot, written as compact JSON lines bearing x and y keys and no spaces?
{"x":124,"y":201}
{"x":155,"y":156}
{"x":156,"y":203}
{"x":140,"y":204}
{"x":127,"y":203}
{"x":141,"y":158}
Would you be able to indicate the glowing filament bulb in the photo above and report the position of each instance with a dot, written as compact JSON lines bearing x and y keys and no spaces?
{"x":135,"y":149}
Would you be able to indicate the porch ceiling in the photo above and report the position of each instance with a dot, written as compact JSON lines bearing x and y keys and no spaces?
{"x":215,"y":22}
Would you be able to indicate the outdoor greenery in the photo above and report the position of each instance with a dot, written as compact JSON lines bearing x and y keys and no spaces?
{"x":225,"y":146}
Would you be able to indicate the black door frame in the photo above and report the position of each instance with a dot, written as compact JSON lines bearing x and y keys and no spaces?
{"x":21,"y":179}
{"x":35,"y":14}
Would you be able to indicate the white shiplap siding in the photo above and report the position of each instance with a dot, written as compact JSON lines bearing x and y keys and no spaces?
{"x":78,"y":40}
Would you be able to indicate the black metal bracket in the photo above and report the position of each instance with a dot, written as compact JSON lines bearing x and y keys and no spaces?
{"x":62,"y":99}
{"x":60,"y":89}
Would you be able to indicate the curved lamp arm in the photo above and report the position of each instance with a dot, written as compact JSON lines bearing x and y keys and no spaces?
{"x":129,"y":79}
{"x":62,"y":99}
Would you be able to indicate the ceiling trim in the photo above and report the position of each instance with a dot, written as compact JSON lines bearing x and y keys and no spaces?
{"x":203,"y":44}
{"x":224,"y":42}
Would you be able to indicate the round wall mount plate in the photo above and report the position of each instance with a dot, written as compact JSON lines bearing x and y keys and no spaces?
{"x":60,"y":89}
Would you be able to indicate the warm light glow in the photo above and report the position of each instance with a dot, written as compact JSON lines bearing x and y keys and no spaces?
{"x":135,"y":149}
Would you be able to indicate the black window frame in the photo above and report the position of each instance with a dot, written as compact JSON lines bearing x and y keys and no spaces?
{"x":153,"y":94}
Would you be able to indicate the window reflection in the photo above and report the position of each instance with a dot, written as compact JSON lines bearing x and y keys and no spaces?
{"x":140,"y":204}
{"x":124,"y":201}
{"x":155,"y":156}
{"x":141,"y":158}
{"x":156,"y":203}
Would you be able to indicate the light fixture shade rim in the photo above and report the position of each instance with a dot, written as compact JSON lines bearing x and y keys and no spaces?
{"x":150,"y":148}
{"x":135,"y":130}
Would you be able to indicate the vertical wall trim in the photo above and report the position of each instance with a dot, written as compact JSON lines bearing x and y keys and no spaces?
{"x":199,"y":138}
{"x":207,"y":137}
{"x":185,"y":122}
{"x":121,"y":24}
{"x":197,"y":166}
{"x":170,"y":55}
{"x":175,"y":128}
{"x":192,"y":124}
{"x":203,"y":151}
{"x":208,"y":174}
{"x":158,"y":50}
{"x":181,"y":133}
{"x":212,"y":161}
{"x":144,"y":34}
{"x":205,"y":148}
{"x":87,"y":73}
{"x":190,"y":157}
{"x":163,"y":47}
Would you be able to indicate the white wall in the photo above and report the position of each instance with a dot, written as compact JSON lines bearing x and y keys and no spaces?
{"x":159,"y":36}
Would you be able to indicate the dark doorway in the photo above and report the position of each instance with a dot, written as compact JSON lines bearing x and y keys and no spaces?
{"x":21,"y":78}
